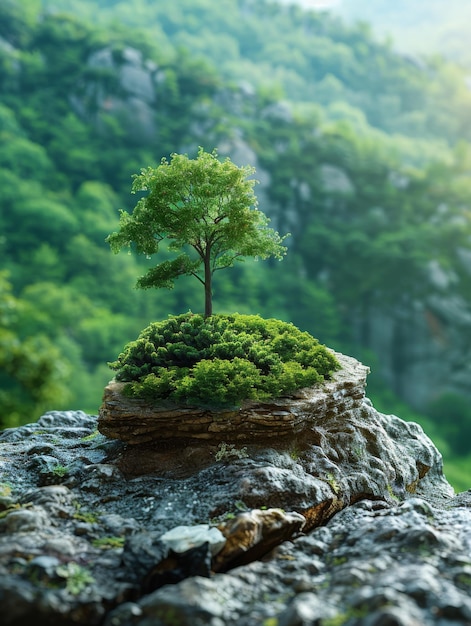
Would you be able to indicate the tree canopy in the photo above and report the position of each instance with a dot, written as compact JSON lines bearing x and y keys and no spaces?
{"x":203,"y":206}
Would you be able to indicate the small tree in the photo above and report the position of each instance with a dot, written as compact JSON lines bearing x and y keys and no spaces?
{"x":202,"y":207}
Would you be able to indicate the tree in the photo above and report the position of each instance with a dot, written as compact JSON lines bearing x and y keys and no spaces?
{"x":203,"y":207}
{"x":32,"y":370}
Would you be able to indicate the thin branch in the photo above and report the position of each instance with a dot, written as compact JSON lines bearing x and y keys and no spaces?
{"x":197,"y":246}
{"x":219,"y":218}
{"x":197,"y":277}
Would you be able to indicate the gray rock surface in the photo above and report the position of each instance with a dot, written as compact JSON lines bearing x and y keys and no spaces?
{"x":121,"y":84}
{"x":350,"y":521}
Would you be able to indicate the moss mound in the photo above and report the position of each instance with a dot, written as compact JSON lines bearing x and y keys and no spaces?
{"x":221,"y":360}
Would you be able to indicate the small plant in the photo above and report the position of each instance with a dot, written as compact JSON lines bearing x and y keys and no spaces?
{"x":229,"y":451}
{"x":294,"y":453}
{"x":239,"y":507}
{"x":60,"y":470}
{"x":391,"y":493}
{"x":333,"y":483}
{"x":84,"y":516}
{"x":9,"y":509}
{"x":76,"y":577}
{"x":5,"y":490}
{"x":91,"y":436}
{"x":108,"y":542}
{"x":358,"y":452}
{"x":221,"y":360}
{"x":338,"y":560}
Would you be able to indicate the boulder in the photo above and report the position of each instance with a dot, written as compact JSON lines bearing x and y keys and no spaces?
{"x":346,"y":519}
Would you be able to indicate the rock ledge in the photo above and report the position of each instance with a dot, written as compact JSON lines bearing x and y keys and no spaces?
{"x":136,"y":421}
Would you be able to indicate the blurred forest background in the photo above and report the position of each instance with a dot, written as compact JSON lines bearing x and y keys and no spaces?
{"x":362,"y":150}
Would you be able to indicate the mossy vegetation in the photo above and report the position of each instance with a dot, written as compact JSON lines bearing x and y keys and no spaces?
{"x":221,"y":360}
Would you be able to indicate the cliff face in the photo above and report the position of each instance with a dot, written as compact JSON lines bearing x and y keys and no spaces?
{"x":423,"y":345}
{"x":347,"y":520}
{"x":127,"y":90}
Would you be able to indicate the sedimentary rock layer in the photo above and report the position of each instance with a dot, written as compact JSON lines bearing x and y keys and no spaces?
{"x":137,"y":421}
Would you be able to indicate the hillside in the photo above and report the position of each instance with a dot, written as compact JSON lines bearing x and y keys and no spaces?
{"x":306,"y":56}
{"x":422,"y":26}
{"x":362,"y":154}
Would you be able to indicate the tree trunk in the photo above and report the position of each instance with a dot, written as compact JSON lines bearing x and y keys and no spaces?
{"x":208,"y":294}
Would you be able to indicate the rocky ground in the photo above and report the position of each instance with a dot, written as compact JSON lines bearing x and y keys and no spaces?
{"x":349,"y":521}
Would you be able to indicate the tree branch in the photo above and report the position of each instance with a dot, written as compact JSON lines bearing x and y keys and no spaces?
{"x":197,"y":277}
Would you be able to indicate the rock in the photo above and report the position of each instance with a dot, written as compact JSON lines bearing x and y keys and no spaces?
{"x":44,"y":569}
{"x":335,"y":180}
{"x":422,"y":346}
{"x":184,"y":538}
{"x":253,"y":534}
{"x":306,"y":608}
{"x":197,"y":603}
{"x":142,"y":552}
{"x":133,"y":99}
{"x":136,"y":421}
{"x":24,"y":521}
{"x":178,"y":566}
{"x":348,"y":519}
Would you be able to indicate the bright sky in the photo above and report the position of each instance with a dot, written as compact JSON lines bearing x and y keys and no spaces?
{"x":314,"y":4}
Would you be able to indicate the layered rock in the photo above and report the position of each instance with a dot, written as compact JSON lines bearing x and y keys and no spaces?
{"x":136,"y":421}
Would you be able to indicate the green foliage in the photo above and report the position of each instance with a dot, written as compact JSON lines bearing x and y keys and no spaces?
{"x":452,"y":413}
{"x":60,"y":470}
{"x":85,"y":516}
{"x":311,"y":56}
{"x":106,"y":543}
{"x":457,"y":470}
{"x":202,"y":204}
{"x":221,"y":360}
{"x":76,"y":577}
{"x":31,"y":371}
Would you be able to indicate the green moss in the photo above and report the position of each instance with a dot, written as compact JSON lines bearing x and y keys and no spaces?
{"x":333,"y":483}
{"x":90,"y":437}
{"x":60,"y":470}
{"x":5,"y":490}
{"x":76,"y":577}
{"x":391,"y":493}
{"x":108,"y":542}
{"x":221,"y":360}
{"x":85,"y":516}
{"x":340,"y":619}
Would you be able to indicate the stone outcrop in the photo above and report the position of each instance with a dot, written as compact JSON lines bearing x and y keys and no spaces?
{"x":136,"y":421}
{"x":121,"y":84}
{"x":349,"y":520}
{"x":423,"y":344}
